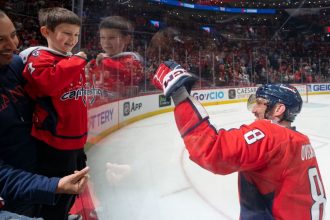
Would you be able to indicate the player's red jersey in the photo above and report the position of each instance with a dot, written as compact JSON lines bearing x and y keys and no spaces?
{"x":56,"y":81}
{"x":279,"y":176}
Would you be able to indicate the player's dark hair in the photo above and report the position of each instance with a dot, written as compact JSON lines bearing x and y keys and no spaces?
{"x":52,"y":17}
{"x":117,"y":22}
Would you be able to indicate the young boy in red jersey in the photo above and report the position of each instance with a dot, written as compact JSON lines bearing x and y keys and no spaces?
{"x":116,"y":69}
{"x":56,"y":81}
{"x":279,"y":177}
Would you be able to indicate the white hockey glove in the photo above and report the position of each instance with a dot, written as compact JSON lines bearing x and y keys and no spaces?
{"x":170,"y":76}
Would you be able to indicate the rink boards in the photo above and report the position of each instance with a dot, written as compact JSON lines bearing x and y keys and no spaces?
{"x":163,"y":183}
{"x":107,"y":118}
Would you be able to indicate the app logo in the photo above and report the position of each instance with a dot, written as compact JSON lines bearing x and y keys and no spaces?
{"x":131,"y":107}
{"x":163,"y":101}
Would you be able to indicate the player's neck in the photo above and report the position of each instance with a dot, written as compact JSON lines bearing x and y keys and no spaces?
{"x":286,"y":124}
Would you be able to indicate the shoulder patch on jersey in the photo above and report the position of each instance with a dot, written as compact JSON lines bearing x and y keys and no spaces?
{"x":35,"y":53}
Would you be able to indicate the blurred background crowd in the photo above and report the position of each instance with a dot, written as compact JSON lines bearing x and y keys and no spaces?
{"x":221,"y":49}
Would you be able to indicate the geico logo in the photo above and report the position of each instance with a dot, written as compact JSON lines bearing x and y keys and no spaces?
{"x":323,"y":87}
{"x":208,"y":96}
{"x":246,"y":90}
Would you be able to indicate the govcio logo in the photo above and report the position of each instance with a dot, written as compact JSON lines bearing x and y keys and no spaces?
{"x":163,"y":101}
{"x":126,"y":108}
{"x":215,"y":95}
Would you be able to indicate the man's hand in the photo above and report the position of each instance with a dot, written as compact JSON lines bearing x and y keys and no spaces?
{"x":170,"y":76}
{"x":74,"y":183}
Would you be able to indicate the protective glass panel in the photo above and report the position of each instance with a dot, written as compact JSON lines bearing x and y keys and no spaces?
{"x":140,"y":168}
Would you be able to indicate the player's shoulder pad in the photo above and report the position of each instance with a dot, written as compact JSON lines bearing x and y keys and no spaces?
{"x":269,"y":125}
{"x":264,"y":121}
{"x":262,"y":124}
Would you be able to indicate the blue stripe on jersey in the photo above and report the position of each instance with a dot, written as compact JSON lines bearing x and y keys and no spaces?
{"x":254,"y":205}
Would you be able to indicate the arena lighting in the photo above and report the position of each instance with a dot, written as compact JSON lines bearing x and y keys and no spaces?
{"x":155,"y":23}
{"x":216,"y":8}
{"x":206,"y":28}
{"x":261,"y":3}
{"x":214,"y":2}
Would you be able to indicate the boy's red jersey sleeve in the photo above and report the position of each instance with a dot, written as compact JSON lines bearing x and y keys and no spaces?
{"x":46,"y":75}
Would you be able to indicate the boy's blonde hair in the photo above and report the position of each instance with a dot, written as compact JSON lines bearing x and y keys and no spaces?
{"x":52,"y":17}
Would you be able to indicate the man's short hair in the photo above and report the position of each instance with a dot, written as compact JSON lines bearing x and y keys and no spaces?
{"x":117,"y":22}
{"x":52,"y":17}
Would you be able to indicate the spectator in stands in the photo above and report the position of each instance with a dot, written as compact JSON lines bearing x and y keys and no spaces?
{"x":56,"y":81}
{"x":161,"y":48}
{"x":117,"y":68}
{"x":267,"y":41}
{"x":20,"y":189}
{"x":163,"y":42}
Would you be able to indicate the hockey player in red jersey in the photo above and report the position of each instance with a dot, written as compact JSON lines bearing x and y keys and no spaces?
{"x":278,"y":174}
{"x":117,"y":70}
{"x":56,"y":81}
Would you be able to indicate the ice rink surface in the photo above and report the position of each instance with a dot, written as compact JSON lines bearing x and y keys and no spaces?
{"x":161,"y":182}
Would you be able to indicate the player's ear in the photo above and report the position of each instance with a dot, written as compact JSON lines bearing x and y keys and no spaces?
{"x":44,"y":31}
{"x":279,"y":109}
